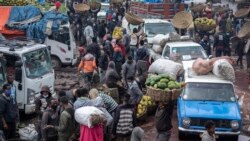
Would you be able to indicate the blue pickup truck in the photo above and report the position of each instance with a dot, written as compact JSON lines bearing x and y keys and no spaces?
{"x":207,"y":97}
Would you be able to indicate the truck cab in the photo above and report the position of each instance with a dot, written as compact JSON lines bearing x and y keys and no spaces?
{"x":31,"y":65}
{"x":62,"y":46}
{"x":207,"y":97}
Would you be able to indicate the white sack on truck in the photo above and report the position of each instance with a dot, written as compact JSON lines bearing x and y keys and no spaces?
{"x":204,"y":66}
{"x":164,"y":66}
{"x":158,"y":38}
{"x":157,"y":48}
{"x":223,"y":69}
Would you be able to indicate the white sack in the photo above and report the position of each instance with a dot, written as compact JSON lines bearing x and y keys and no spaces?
{"x":157,"y":48}
{"x":223,"y":69}
{"x":164,"y":66}
{"x":157,"y":38}
{"x":83,"y":115}
{"x":28,"y":133}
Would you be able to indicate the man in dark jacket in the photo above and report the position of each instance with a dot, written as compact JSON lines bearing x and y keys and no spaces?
{"x":128,"y":69}
{"x":66,"y":123}
{"x":8,"y":113}
{"x":41,"y":103}
{"x":94,"y":49}
{"x":49,"y":118}
{"x":219,"y":43}
{"x":163,"y":122}
{"x":205,"y":43}
{"x":43,"y":100}
{"x":103,"y":64}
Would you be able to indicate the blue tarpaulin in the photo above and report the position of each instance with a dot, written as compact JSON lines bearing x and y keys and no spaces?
{"x":35,"y":30}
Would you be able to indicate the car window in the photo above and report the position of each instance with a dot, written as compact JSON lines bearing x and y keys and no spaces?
{"x":153,"y":29}
{"x":61,"y":36}
{"x":209,"y":92}
{"x":166,"y":52}
{"x":187,"y":53}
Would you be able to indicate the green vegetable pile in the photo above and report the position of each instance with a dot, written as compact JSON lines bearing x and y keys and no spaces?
{"x":13,"y":2}
{"x":163,"y":82}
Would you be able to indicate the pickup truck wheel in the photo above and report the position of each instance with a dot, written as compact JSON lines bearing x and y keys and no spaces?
{"x":234,"y":138}
{"x":181,"y":135}
{"x":56,"y":63}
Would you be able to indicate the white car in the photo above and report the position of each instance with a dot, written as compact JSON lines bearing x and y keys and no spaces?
{"x":102,"y":13}
{"x":152,"y":27}
{"x":183,"y":51}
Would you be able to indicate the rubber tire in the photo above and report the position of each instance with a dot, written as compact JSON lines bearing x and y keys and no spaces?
{"x":181,"y":135}
{"x":56,"y":63}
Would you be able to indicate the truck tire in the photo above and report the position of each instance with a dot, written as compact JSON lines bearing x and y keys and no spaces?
{"x":56,"y":63}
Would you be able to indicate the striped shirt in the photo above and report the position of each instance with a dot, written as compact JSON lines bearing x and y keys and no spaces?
{"x":125,"y":123}
{"x":110,"y":103}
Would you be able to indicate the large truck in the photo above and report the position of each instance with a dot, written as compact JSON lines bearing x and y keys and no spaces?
{"x":31,"y":65}
{"x":62,"y":42}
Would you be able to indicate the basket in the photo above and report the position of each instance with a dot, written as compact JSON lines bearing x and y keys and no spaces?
{"x":81,"y":8}
{"x":205,"y":27}
{"x":198,"y":8}
{"x":241,"y":12}
{"x":159,"y":95}
{"x":244,"y":31}
{"x":143,"y":116}
{"x":182,"y":20}
{"x":94,"y":6}
{"x":117,"y":1}
{"x":176,"y":93}
{"x":220,"y":9}
{"x":132,"y":19}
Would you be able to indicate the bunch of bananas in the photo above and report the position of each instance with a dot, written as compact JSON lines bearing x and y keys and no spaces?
{"x":205,"y":21}
{"x":145,"y":102}
{"x":14,"y":3}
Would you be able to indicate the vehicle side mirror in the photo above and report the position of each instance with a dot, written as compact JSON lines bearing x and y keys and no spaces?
{"x":18,"y":75}
{"x":210,"y":56}
{"x":18,"y":64}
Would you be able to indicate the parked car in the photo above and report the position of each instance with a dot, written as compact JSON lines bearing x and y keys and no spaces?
{"x":207,"y":97}
{"x":102,"y":13}
{"x":152,"y":27}
{"x":183,"y":51}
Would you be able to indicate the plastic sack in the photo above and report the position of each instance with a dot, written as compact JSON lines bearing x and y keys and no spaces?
{"x":28,"y":133}
{"x":158,"y":38}
{"x":83,"y":115}
{"x":157,"y":48}
{"x":223,"y":69}
{"x":164,"y":66}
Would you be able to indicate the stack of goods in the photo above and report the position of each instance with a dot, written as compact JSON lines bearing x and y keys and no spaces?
{"x":144,"y":104}
{"x":220,"y":66}
{"x":160,"y":40}
{"x":162,"y":87}
{"x":13,"y":3}
{"x":204,"y":24}
{"x":165,"y":66}
{"x":89,"y":116}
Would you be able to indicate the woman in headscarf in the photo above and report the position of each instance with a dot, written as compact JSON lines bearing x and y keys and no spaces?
{"x":112,"y":79}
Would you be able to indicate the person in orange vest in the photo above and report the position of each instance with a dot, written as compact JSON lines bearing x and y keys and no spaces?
{"x":87,"y":66}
